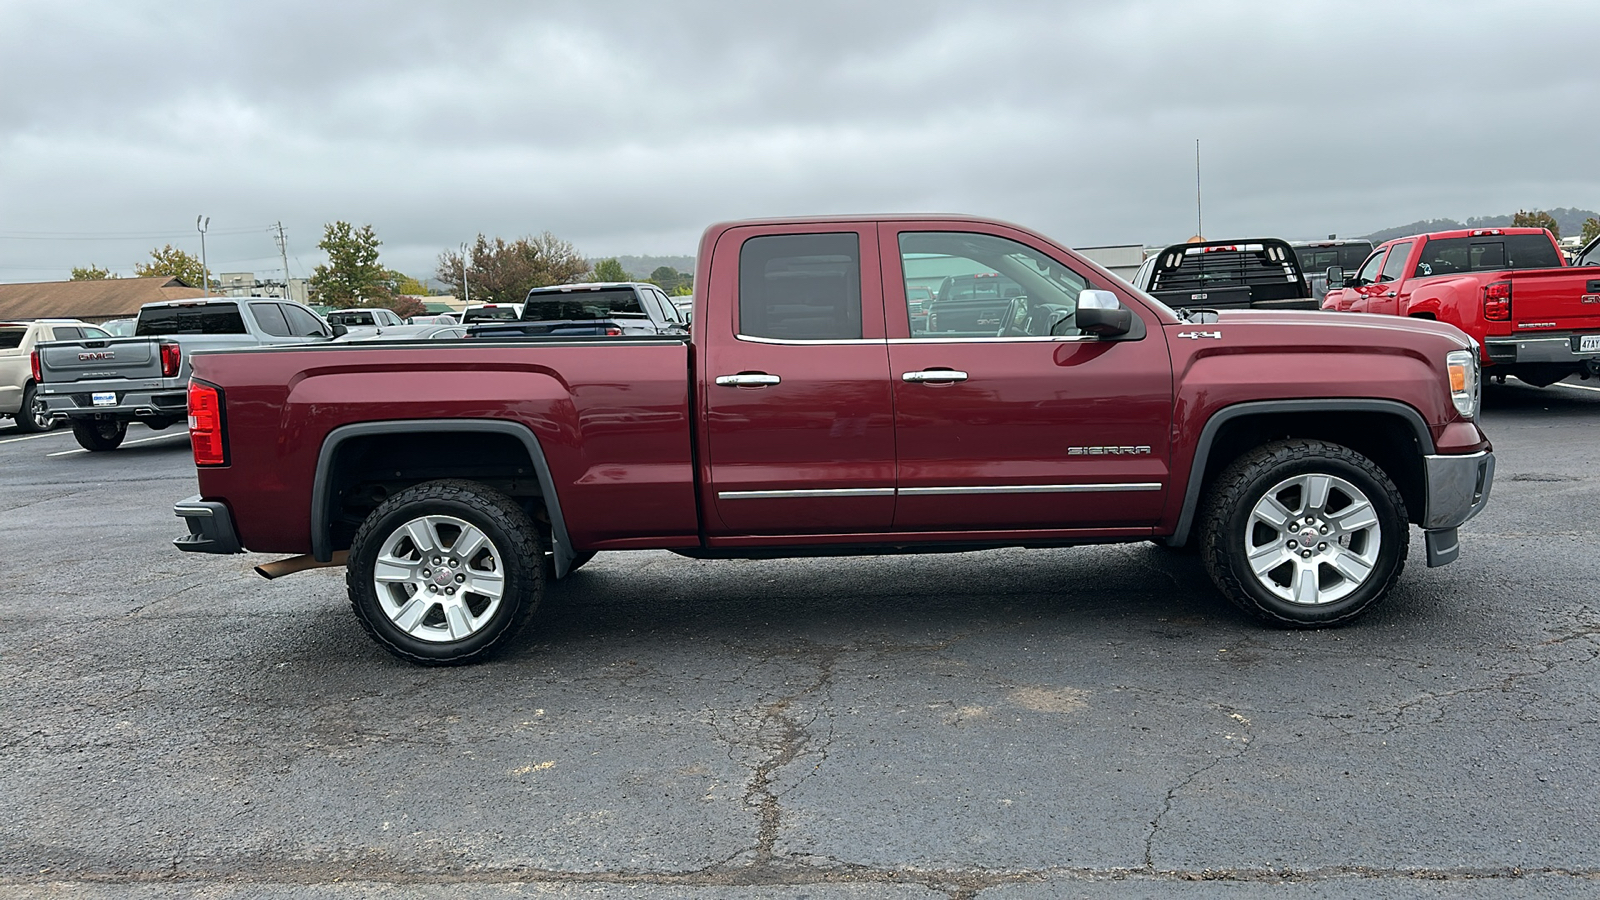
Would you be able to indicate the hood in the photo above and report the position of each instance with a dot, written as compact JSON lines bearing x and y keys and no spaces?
{"x":1345,"y":322}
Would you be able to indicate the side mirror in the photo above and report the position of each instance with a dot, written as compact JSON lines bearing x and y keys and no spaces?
{"x":1335,"y":277}
{"x":340,"y":331}
{"x":1100,"y":313}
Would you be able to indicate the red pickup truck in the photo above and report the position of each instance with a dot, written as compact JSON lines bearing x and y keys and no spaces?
{"x":810,"y":413}
{"x":1534,"y":316}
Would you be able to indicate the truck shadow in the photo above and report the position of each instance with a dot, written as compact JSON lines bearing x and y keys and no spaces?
{"x":1573,"y":396}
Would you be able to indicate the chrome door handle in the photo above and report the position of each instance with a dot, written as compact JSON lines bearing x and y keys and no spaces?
{"x":934,"y":376}
{"x":1390,"y":294}
{"x":748,"y":379}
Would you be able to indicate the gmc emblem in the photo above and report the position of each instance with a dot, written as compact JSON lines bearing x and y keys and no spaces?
{"x":1589,"y":298}
{"x":101,"y":354}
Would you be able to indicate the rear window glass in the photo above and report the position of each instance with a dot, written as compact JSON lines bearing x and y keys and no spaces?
{"x":11,"y":338}
{"x":348,"y":317}
{"x":1487,"y":253}
{"x":1316,"y":260}
{"x":211,"y":318}
{"x":490,"y":314}
{"x":581,"y":305}
{"x":801,"y":287}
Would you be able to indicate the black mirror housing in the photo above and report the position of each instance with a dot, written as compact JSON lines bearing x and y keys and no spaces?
{"x":340,"y":330}
{"x":1335,"y":277}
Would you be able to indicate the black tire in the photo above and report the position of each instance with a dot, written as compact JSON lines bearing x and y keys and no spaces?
{"x":1231,"y":529}
{"x":514,"y":551}
{"x":99,"y":434}
{"x":31,"y":416}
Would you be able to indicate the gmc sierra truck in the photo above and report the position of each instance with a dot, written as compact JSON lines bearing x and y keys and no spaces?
{"x":1255,"y":273}
{"x":807,"y":415}
{"x":1510,"y":289}
{"x":102,"y":384}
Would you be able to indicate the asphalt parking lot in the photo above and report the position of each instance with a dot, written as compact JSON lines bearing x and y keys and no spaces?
{"x":1091,"y":722}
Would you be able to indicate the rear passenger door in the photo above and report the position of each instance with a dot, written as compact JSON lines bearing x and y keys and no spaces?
{"x":799,"y":421}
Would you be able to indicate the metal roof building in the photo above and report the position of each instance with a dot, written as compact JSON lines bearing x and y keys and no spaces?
{"x":91,"y":301}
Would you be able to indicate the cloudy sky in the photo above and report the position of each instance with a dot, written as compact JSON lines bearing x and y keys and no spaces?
{"x":627,"y":127}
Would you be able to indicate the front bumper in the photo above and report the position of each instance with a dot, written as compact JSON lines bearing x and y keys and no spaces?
{"x":210,"y":527}
{"x":1458,"y":489}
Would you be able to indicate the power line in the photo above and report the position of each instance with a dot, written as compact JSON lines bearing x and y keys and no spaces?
{"x":113,"y":236}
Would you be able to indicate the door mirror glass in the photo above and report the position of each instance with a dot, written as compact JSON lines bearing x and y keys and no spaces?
{"x":340,"y":330}
{"x":1335,"y":277}
{"x":1100,"y":313}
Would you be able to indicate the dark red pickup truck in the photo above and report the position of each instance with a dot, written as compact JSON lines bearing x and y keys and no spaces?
{"x":809,"y":413}
{"x":1534,"y":316}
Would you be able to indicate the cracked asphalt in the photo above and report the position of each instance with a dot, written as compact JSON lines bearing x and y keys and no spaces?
{"x":1090,"y":722}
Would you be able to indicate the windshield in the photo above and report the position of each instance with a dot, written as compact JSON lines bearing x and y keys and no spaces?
{"x":209,"y":318}
{"x":582,"y":305}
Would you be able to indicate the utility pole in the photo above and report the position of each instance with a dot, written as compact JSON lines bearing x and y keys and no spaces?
{"x":283,"y":251}
{"x":201,"y":223}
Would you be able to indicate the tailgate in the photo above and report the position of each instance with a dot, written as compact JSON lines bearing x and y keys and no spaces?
{"x":1566,"y":299}
{"x":69,"y":361}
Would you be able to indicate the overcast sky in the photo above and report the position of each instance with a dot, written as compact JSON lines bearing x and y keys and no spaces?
{"x":628,"y":127}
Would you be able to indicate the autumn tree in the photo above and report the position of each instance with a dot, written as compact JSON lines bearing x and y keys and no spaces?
{"x":401,"y":283}
{"x":92,"y":272}
{"x":1537,"y":220}
{"x":171,"y":262}
{"x":610,"y":270}
{"x":406,"y":306}
{"x":499,"y":271}
{"x":353,"y":275}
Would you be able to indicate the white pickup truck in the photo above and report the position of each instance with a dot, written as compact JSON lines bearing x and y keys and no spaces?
{"x":102,"y":384}
{"x":19,"y":393}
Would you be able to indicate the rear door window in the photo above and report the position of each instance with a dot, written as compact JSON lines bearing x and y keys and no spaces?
{"x":1394,"y":267}
{"x":801,"y":287}
{"x":11,"y":337}
{"x":65,"y":333}
{"x":270,"y":317}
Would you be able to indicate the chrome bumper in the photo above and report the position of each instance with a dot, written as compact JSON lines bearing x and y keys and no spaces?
{"x":1458,"y":489}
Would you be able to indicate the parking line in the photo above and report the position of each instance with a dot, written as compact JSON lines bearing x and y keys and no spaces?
{"x":159,"y":437}
{"x":1578,"y":387}
{"x":35,"y":437}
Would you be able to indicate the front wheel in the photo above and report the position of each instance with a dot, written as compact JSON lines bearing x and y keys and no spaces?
{"x":444,"y":571}
{"x":99,"y":434}
{"x":1304,"y":533}
{"x":33,"y":416}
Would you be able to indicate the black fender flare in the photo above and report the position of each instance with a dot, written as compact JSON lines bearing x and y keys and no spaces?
{"x":321,"y":540}
{"x":1208,"y":436}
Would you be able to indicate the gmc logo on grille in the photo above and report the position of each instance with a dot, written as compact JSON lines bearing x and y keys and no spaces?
{"x":91,"y":357}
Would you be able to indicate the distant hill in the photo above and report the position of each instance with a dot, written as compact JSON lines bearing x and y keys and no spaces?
{"x":642,"y":266}
{"x":1570,"y":220}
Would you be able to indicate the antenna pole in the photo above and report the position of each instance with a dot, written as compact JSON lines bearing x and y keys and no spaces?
{"x":1199,"y":223}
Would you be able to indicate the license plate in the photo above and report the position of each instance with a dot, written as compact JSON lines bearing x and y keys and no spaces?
{"x":105,"y":399}
{"x":1589,"y":343}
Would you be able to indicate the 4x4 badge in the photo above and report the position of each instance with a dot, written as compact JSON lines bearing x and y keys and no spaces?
{"x":1197,"y":335}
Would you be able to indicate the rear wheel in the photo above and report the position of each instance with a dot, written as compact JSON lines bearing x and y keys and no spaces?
{"x":443,"y":572}
{"x":1304,"y":533}
{"x":33,"y":417}
{"x":99,"y":434}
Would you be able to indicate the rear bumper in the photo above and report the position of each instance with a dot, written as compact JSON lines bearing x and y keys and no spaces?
{"x":132,"y":405}
{"x":1542,"y":348}
{"x":1458,"y":489}
{"x":210,"y":527}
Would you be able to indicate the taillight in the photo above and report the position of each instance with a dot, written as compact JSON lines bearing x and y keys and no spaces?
{"x":171,"y":357}
{"x":33,"y":361}
{"x":205,"y":425}
{"x":1497,"y":301}
{"x":613,"y":331}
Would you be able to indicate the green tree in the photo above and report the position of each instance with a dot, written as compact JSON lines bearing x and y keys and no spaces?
{"x":610,"y":270}
{"x":353,"y":275}
{"x":1591,"y":229}
{"x":498,"y":271}
{"x":671,"y":281}
{"x":683,"y":290}
{"x":401,"y":283}
{"x":1537,"y":220}
{"x":92,"y":272}
{"x":171,"y":262}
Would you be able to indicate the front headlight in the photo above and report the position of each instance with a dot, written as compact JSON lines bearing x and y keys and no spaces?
{"x":1463,"y":368}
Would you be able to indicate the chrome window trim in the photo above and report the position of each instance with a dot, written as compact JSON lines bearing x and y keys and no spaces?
{"x":1033,"y":339}
{"x":787,"y":342}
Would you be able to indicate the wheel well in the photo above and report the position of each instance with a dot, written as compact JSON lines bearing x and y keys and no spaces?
{"x":367,"y":469}
{"x":1388,"y":440}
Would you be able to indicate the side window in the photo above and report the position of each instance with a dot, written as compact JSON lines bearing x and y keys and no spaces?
{"x":270,"y":317}
{"x":801,"y":287}
{"x":1369,"y":269}
{"x":89,"y":331}
{"x":671,"y":311}
{"x":66,"y":332}
{"x":652,"y":305}
{"x":302,"y":323}
{"x":1394,"y":267}
{"x":985,"y":286}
